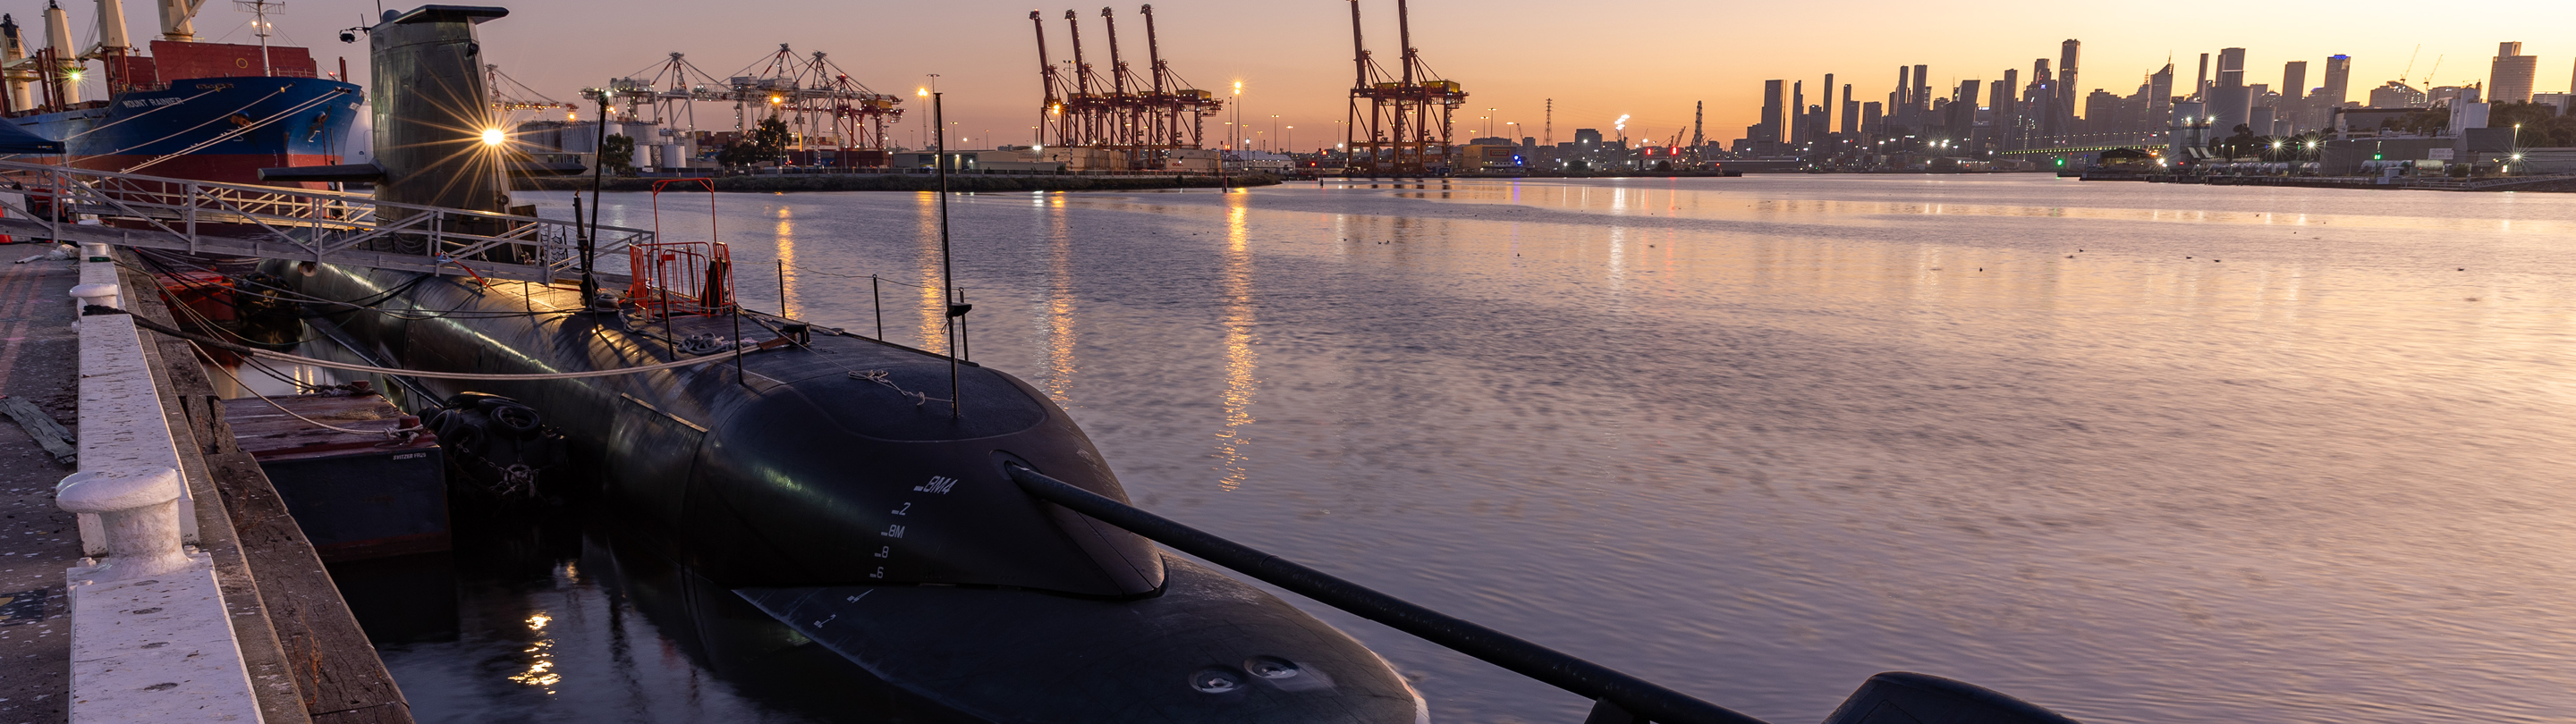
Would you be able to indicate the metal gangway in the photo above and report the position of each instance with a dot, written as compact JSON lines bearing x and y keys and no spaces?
{"x":77,"y":206}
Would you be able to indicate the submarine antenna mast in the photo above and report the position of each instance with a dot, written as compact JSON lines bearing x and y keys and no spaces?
{"x":590,"y":284}
{"x":947,"y":268}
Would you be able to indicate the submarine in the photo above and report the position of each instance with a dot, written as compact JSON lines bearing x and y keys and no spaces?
{"x":856,"y":491}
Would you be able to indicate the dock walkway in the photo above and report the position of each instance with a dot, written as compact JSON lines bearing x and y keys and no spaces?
{"x":37,"y":539}
{"x":305,"y":658}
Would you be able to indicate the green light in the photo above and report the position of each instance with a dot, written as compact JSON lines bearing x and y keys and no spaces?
{"x":2061,"y":162}
{"x":2376,"y":157}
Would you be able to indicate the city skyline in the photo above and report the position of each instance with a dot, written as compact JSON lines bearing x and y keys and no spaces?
{"x":1637,"y":59}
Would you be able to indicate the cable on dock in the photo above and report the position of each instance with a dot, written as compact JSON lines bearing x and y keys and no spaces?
{"x":354,"y":367}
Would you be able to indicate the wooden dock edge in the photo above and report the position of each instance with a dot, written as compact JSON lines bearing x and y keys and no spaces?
{"x":309,"y":660}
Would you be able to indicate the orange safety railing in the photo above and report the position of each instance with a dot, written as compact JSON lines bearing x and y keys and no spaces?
{"x":681,"y":278}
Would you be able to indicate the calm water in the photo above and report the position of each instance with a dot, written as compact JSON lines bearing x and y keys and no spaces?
{"x":2139,"y":453}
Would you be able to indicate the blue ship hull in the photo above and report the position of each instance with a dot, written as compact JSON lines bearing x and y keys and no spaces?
{"x":271,"y":121}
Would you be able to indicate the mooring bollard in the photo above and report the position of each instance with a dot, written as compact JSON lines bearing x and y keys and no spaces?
{"x":104,"y":295}
{"x":138,"y":512}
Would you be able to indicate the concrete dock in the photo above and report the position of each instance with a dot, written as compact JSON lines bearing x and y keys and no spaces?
{"x":38,"y":540}
{"x":260,"y":635}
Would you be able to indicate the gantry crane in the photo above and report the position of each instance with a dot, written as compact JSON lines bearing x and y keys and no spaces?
{"x":1140,"y":119}
{"x":508,"y":94}
{"x":1405,"y":131}
{"x":810,"y":93}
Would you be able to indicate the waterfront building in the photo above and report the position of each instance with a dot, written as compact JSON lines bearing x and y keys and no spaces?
{"x":1798,"y":113}
{"x":2200,"y":85}
{"x":2512,"y":75}
{"x":2395,"y":94}
{"x":1922,"y":100}
{"x":2008,"y":125}
{"x":1904,"y":84}
{"x":2159,"y":98}
{"x":1851,"y":113}
{"x":2066,"y":87}
{"x":1825,"y":114}
{"x":2037,"y":100}
{"x":2294,"y":94}
{"x":2338,"y":80}
{"x":1774,"y":103}
{"x":2230,"y":102}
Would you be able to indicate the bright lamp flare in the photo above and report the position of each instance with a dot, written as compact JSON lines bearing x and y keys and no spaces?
{"x":493,"y":136}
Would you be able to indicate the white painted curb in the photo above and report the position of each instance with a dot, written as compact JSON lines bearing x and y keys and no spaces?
{"x":122,"y":426}
{"x":156,"y":649}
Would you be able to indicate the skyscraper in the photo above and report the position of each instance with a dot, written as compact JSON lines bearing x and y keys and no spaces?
{"x":1825,"y":117}
{"x":1921,"y":100}
{"x":2200,"y":85}
{"x":1798,"y":112}
{"x":2295,"y":107}
{"x":2510,"y":79}
{"x":2338,"y":80}
{"x":2066,"y":87}
{"x":1904,"y":83}
{"x":2159,"y":98}
{"x":1774,"y":98}
{"x":2039,"y":100}
{"x":2230,"y":102}
{"x":2008,"y":117}
{"x":1851,"y":113}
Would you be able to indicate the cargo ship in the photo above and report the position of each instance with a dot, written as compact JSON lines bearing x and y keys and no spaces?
{"x":187,"y":109}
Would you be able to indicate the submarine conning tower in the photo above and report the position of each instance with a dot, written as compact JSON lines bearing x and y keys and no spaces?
{"x":431,"y":111}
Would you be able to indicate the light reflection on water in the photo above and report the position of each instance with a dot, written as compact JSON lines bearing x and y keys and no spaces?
{"x":2135,"y":452}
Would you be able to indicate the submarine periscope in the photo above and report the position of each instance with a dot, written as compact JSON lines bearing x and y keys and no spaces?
{"x":943,"y":525}
{"x":834,"y":481}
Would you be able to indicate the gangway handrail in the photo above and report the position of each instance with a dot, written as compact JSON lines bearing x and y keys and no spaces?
{"x":282,"y":191}
{"x":293,"y":223}
{"x":1642,"y":699}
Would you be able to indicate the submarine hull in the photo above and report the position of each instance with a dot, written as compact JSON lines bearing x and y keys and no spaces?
{"x":828,"y":484}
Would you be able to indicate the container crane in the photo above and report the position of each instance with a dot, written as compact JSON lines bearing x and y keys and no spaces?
{"x":1122,"y":119}
{"x":1408,"y":117}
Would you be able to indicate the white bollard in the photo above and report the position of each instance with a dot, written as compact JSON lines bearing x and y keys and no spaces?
{"x":104,"y":295}
{"x":138,"y":512}
{"x":95,"y":251}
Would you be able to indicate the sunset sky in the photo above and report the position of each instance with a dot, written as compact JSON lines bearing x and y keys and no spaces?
{"x":1647,"y":58}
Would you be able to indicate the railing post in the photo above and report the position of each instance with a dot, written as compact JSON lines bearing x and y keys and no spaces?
{"x":192,"y":213}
